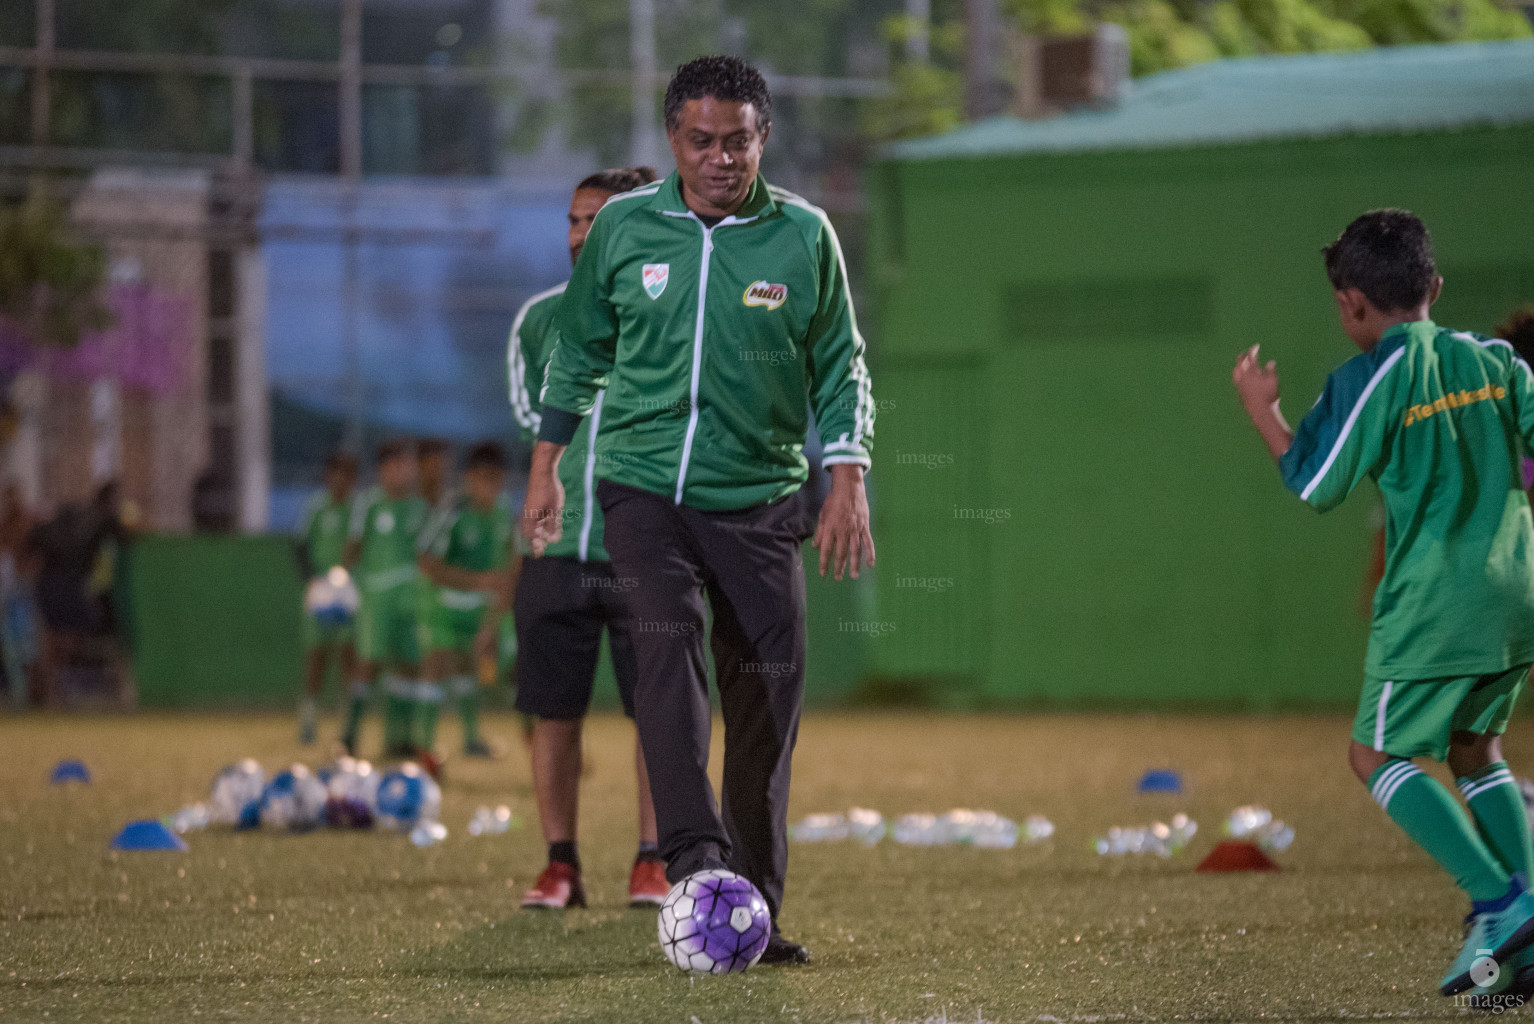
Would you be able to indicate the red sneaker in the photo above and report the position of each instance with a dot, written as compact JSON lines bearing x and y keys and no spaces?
{"x":557,"y":888}
{"x":430,"y":763}
{"x":647,"y":884}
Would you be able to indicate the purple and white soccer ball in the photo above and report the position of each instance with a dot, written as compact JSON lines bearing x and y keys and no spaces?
{"x":294,"y":800}
{"x":353,"y":794}
{"x":714,"y":922}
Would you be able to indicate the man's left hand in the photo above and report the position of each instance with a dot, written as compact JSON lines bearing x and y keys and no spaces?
{"x":842,"y":535}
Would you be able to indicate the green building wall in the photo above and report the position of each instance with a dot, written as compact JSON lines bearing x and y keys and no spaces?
{"x":215,"y":623}
{"x":1071,"y":508}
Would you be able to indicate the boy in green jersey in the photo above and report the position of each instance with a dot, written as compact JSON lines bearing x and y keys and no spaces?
{"x":386,"y":521}
{"x":1439,"y":419}
{"x":434,"y":466}
{"x":320,"y":545}
{"x":467,"y":560}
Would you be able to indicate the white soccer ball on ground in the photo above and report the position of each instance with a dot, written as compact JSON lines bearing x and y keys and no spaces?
{"x":235,"y":796}
{"x":294,"y":800}
{"x":408,"y":796}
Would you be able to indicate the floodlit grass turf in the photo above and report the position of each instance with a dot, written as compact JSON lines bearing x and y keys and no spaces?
{"x":362,"y":926}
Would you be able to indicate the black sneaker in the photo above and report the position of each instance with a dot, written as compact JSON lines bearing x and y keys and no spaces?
{"x":780,"y":951}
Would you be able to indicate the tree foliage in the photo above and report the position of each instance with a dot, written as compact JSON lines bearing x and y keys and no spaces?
{"x":50,"y":287}
{"x":1167,"y":34}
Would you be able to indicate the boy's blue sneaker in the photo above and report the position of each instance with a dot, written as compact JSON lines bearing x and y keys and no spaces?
{"x":1495,"y":934}
{"x":1509,"y":989}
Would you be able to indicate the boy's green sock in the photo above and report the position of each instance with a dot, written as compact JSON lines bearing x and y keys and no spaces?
{"x":468,"y":707}
{"x":1497,"y":807}
{"x":356,"y":707}
{"x":399,"y":716}
{"x":428,"y":705}
{"x":1434,"y":821}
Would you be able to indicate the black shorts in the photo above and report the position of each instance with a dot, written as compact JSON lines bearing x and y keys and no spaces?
{"x":561,"y":607}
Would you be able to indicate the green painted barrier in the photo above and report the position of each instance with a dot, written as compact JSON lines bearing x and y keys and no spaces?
{"x":1072,"y":509}
{"x":216,"y":623}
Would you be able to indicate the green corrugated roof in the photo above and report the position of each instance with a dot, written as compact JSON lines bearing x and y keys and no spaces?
{"x":1380,"y":91}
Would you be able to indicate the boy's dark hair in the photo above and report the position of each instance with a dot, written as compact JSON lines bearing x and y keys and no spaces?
{"x":395,"y":448}
{"x":341,"y":460}
{"x":489,"y":454}
{"x":618,"y":179}
{"x":720,"y":78}
{"x":431,"y":446}
{"x":1387,"y":255}
{"x":1518,"y":330}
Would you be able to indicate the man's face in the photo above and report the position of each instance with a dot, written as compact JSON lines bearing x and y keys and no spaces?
{"x":583,"y":210}
{"x":718,"y":148}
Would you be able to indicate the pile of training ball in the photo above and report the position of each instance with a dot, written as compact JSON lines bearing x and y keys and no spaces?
{"x":347,"y":794}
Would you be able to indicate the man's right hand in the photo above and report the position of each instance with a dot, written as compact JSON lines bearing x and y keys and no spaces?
{"x":545,"y":504}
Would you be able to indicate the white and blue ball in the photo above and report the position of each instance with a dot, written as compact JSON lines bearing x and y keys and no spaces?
{"x":293,"y":801}
{"x":332,"y":599}
{"x":235,"y":798}
{"x":406,"y":796}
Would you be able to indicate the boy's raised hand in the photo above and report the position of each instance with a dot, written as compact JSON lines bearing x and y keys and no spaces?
{"x":1258,"y":387}
{"x":1255,"y":383}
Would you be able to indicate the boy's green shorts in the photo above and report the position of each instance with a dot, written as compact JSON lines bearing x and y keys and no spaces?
{"x":1414,"y":717}
{"x":451,"y":629}
{"x":318,"y":634}
{"x":386,"y":625}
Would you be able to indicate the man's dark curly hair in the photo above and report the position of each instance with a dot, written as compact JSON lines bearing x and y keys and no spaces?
{"x":720,"y":78}
{"x":618,"y":179}
{"x":1387,"y":255}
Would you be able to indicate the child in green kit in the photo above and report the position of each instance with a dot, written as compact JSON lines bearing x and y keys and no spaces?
{"x":386,"y":522}
{"x":1440,"y":420}
{"x":466,"y":557}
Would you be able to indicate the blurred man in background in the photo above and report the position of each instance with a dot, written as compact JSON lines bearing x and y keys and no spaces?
{"x":466,"y":557}
{"x":386,"y":522}
{"x":18,"y":608}
{"x":566,"y":597}
{"x":78,"y":555}
{"x":320,"y":547}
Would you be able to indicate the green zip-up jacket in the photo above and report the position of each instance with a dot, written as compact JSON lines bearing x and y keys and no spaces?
{"x":527,"y":356}
{"x":1439,"y":419}
{"x":707,"y":341}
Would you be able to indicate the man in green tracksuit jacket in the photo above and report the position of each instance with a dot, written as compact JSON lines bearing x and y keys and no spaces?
{"x":710,"y":306}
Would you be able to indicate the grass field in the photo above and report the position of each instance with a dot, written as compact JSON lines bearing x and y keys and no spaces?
{"x":362,"y":926}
